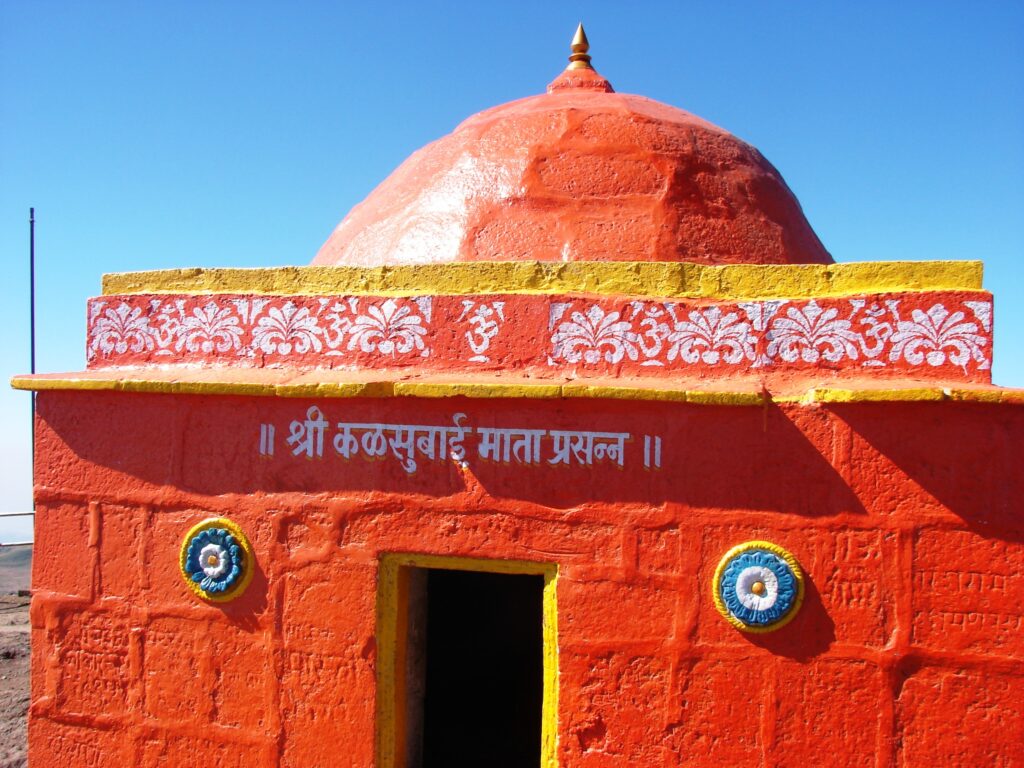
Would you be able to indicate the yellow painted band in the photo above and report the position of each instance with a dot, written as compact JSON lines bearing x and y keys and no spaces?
{"x":700,"y":397}
{"x":482,"y":390}
{"x":999,"y":395}
{"x":477,"y":390}
{"x":198,"y":387}
{"x":391,"y":606}
{"x":662,"y":279}
{"x":837,"y":395}
{"x":243,"y":542}
{"x":716,"y":583}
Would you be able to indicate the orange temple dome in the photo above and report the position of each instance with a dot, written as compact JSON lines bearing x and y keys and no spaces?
{"x":580,"y":173}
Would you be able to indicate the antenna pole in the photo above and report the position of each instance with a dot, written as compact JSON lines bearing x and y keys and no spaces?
{"x":32,"y":330}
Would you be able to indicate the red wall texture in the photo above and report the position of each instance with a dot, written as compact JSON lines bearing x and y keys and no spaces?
{"x":905,"y":517}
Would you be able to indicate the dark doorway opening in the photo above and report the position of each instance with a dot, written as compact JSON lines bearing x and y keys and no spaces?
{"x":475,"y":669}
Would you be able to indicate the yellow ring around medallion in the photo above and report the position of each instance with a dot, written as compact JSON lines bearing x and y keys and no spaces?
{"x":775,"y":549}
{"x":249,"y":562}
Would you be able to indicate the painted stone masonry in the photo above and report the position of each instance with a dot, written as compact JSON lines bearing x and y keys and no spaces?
{"x":581,"y":372}
{"x":910,"y":542}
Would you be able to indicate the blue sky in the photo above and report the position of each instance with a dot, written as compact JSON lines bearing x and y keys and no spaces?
{"x":153,"y":135}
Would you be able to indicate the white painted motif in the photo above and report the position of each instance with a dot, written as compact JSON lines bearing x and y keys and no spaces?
{"x":278,"y":327}
{"x":773,"y":332}
{"x":210,"y":328}
{"x":653,"y":329}
{"x":485,"y":323}
{"x":937,"y":335}
{"x":389,"y":329}
{"x":877,"y":329}
{"x":810,"y":334}
{"x":120,"y":329}
{"x":288,"y":328}
{"x":760,"y":313}
{"x":983,"y":311}
{"x":711,"y":336}
{"x":864,"y":332}
{"x":595,"y":335}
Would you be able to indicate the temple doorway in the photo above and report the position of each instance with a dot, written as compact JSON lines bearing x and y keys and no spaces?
{"x":474,"y":669}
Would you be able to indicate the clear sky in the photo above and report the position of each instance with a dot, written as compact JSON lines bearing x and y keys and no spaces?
{"x":172,"y":134}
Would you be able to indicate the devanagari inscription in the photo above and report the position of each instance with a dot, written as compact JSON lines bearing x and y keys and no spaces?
{"x":413,"y":445}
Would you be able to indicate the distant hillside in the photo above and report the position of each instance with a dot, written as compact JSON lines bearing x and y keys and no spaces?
{"x":15,"y":569}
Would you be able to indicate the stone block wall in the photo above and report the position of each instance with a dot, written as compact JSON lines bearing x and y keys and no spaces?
{"x":906,"y":518}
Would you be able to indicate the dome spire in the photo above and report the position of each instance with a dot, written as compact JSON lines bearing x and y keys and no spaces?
{"x":579,"y":58}
{"x":580,"y":73}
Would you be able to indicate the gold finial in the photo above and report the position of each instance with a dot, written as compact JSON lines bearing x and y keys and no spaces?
{"x":580,"y":59}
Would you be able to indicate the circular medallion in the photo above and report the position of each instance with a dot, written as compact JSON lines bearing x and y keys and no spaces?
{"x":216,"y":560}
{"x":758,"y":586}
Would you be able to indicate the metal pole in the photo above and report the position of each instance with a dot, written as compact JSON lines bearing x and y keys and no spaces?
{"x":32,"y":332}
{"x":32,"y":283}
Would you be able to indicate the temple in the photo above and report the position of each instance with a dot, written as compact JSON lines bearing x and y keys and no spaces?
{"x":572,"y":447}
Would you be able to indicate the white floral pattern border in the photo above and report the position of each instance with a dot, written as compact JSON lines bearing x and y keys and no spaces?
{"x":934,"y":334}
{"x":251,"y":327}
{"x":757,"y":334}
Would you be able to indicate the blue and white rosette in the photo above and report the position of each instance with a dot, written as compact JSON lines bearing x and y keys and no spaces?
{"x":758,"y":586}
{"x":216,"y":560}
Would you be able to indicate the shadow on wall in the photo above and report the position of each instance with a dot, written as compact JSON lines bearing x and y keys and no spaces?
{"x":245,"y":611}
{"x":943,"y":458}
{"x":713,"y":457}
{"x":812,"y":626}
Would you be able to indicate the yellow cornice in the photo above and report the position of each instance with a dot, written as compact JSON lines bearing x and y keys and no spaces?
{"x":662,"y":279}
{"x":514,"y":390}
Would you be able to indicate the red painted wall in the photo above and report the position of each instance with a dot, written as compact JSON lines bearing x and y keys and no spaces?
{"x":906,"y":519}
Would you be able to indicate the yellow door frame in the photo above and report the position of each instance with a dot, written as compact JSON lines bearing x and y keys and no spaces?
{"x":392,"y":632}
